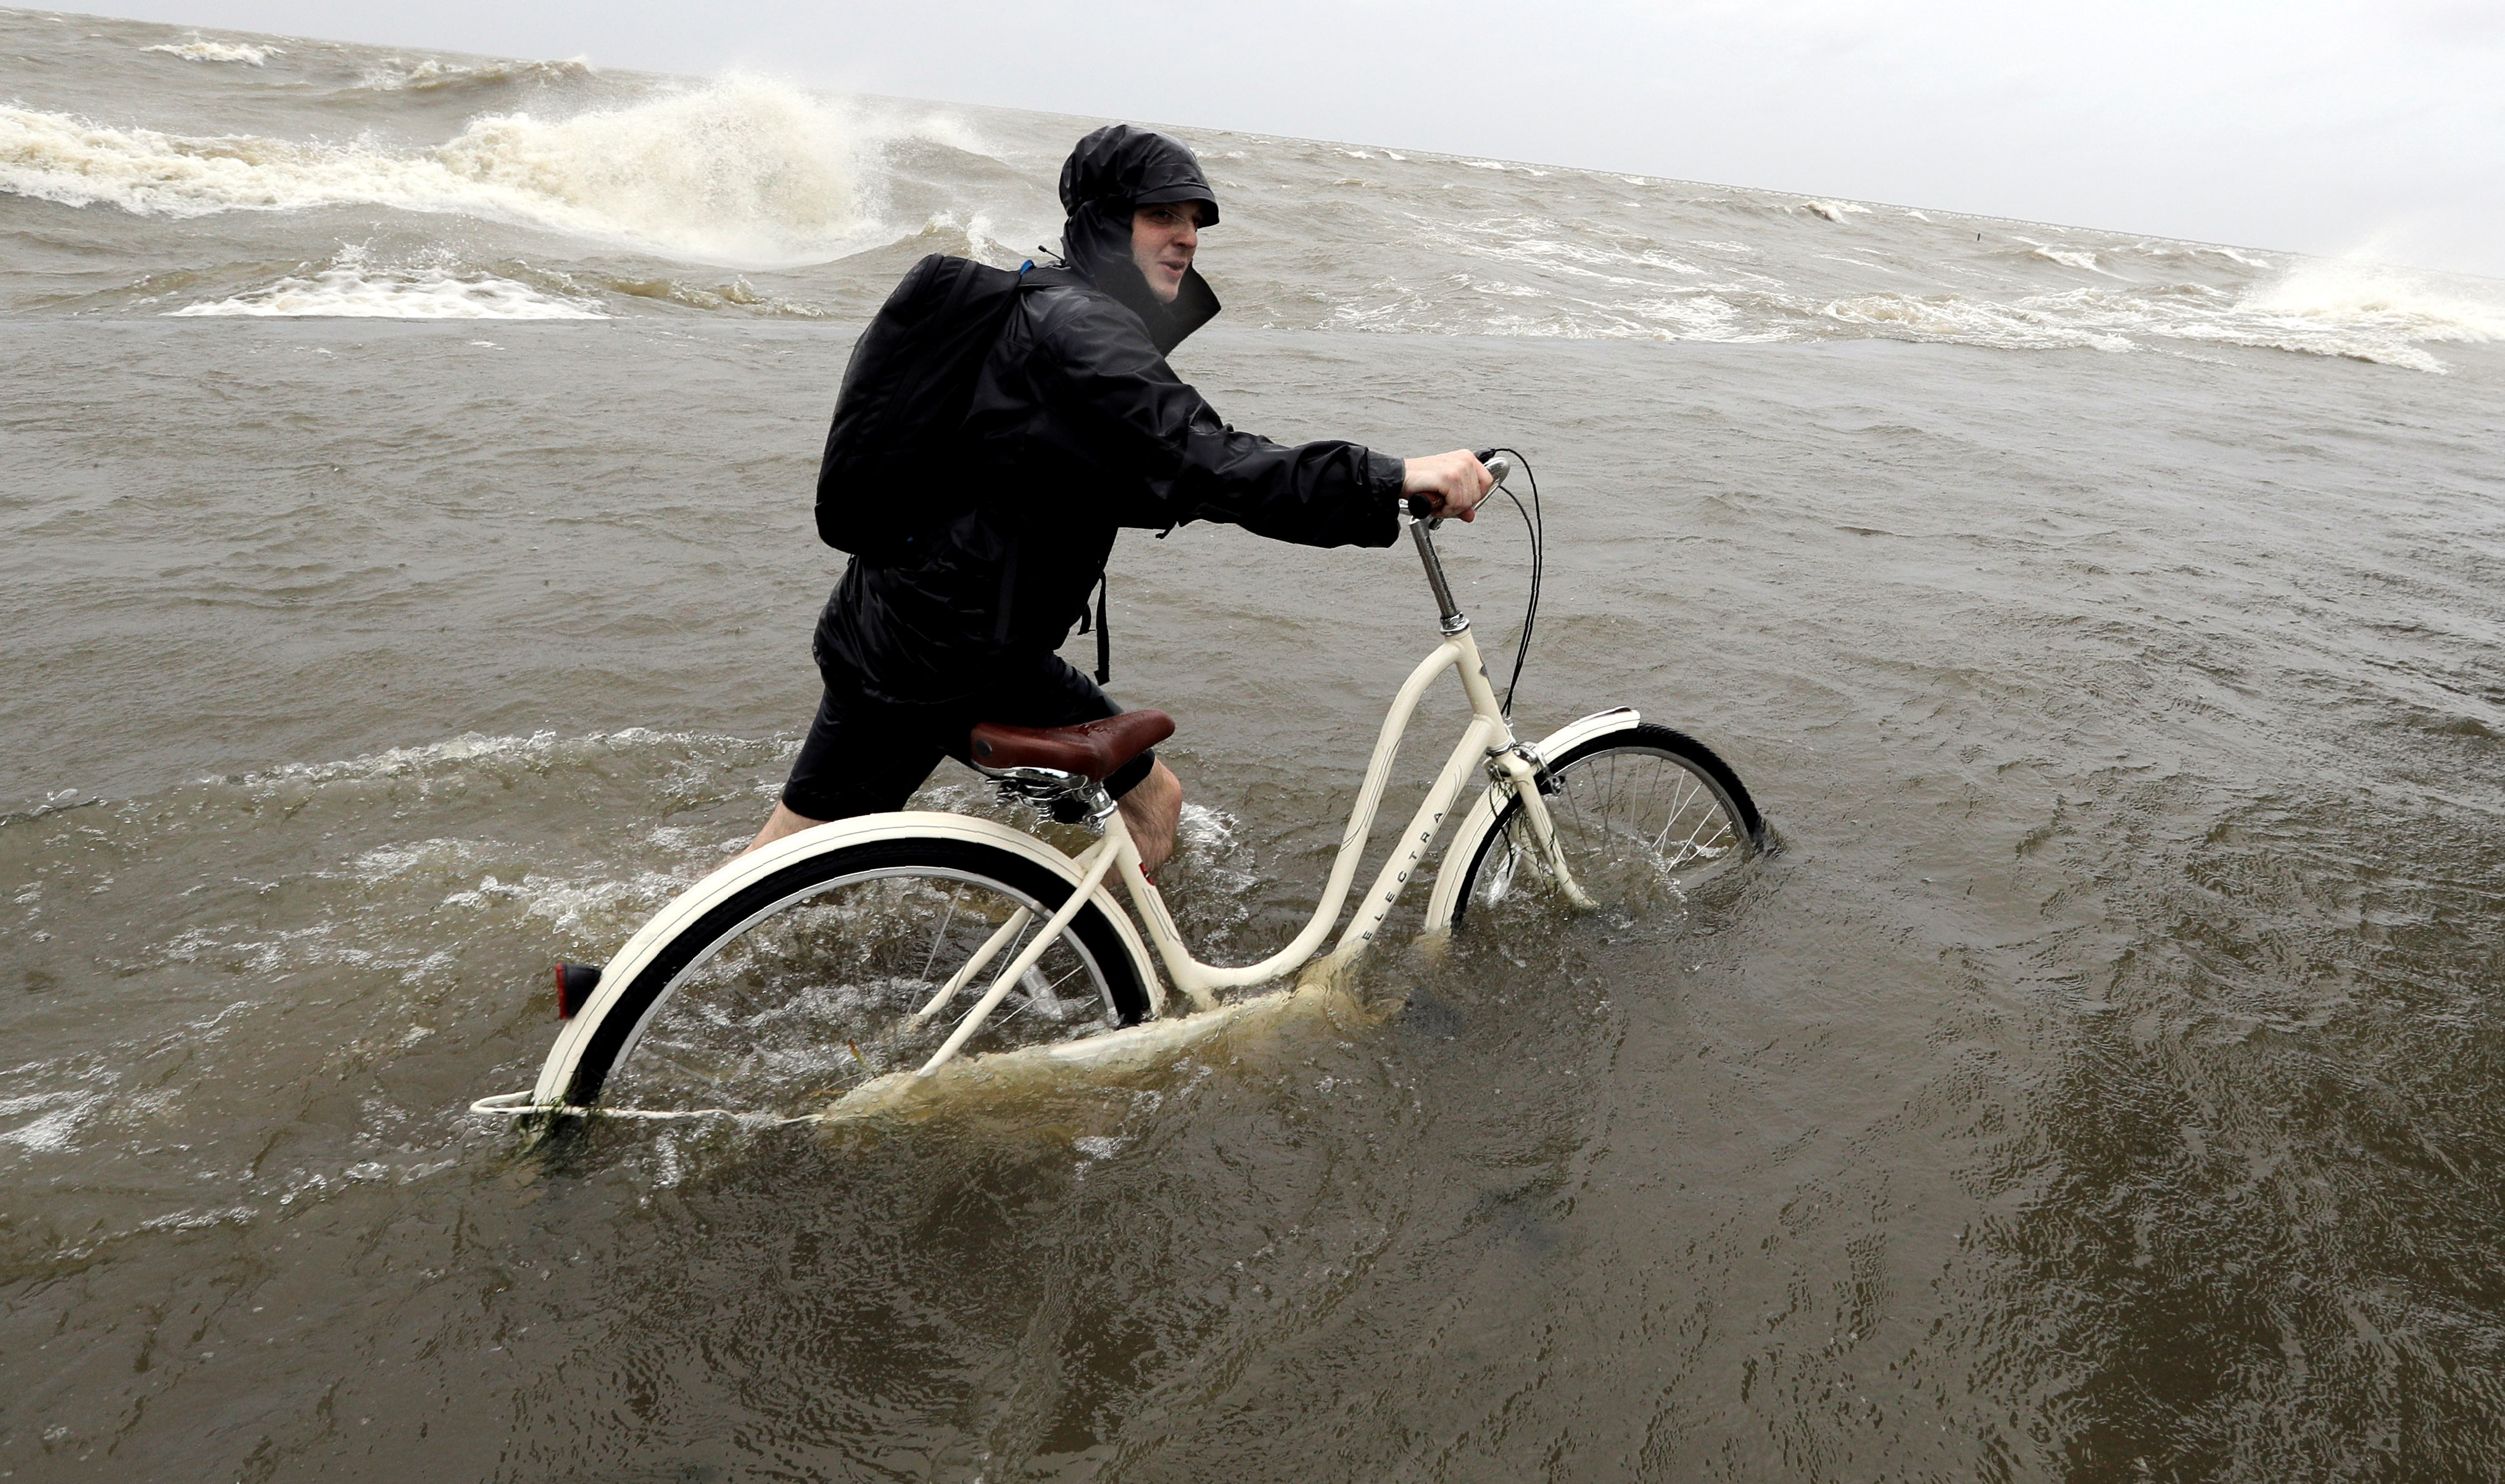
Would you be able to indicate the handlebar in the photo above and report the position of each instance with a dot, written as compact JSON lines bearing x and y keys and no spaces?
{"x":1499,"y":467}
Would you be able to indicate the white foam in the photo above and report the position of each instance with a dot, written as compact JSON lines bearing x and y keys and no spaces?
{"x":2359,"y":312}
{"x":28,"y":1102}
{"x":2168,"y":251}
{"x":1551,"y":245}
{"x":982,"y":234}
{"x":2082,"y":259}
{"x":2034,"y":324}
{"x":474,"y":754}
{"x":196,"y":1220}
{"x":348,"y":290}
{"x":199,"y":50}
{"x":54,"y":1129}
{"x":1575,"y":279}
{"x":2349,"y":294}
{"x":741,"y":172}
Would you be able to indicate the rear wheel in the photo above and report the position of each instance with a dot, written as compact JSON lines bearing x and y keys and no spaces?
{"x":805,"y":985}
{"x":1643,"y":817}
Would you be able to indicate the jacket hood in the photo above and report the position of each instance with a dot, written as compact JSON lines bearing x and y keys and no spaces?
{"x":1113,"y":173}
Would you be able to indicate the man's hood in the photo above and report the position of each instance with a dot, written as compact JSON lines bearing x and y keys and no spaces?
{"x":1113,"y":173}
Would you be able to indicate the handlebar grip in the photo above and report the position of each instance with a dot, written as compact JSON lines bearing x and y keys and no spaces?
{"x":1497,"y":465}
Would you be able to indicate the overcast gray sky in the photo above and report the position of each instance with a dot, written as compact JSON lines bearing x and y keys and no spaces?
{"x":2320,"y":126}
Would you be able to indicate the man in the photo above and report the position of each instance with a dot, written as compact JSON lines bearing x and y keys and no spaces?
{"x":1080,"y":429}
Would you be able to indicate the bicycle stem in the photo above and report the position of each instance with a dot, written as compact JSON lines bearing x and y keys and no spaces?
{"x":1448,"y":617}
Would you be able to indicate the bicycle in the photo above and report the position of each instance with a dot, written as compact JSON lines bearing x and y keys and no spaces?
{"x":817,"y":976}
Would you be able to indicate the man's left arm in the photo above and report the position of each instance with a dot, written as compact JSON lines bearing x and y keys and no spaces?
{"x":1327,"y":492}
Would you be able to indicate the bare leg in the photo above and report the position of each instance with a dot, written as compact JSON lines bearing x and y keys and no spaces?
{"x":1151,"y":811}
{"x":784,"y":822}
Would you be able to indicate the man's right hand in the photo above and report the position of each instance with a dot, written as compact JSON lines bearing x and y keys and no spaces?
{"x":1452,"y":484}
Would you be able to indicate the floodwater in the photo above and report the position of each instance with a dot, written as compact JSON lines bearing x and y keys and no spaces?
{"x":408,"y":574}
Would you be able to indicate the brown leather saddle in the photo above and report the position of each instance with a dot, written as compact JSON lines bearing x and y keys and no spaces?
{"x":1092,"y":749}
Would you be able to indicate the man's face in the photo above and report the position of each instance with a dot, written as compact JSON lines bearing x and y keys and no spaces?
{"x":1163,"y":239}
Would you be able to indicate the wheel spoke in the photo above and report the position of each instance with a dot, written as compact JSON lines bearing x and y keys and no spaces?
{"x":1637,"y":822}
{"x":941,"y":931}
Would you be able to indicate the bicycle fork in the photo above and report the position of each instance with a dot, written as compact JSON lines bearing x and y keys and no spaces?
{"x":1543,"y":826}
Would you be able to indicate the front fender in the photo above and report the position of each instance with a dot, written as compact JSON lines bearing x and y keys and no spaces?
{"x":1481,"y":818}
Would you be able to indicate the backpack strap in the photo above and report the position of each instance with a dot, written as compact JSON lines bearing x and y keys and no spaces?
{"x":1104,"y":631}
{"x":1104,"y":634}
{"x":1031,"y":275}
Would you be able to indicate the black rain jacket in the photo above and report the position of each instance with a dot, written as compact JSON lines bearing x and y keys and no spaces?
{"x":1080,"y":427}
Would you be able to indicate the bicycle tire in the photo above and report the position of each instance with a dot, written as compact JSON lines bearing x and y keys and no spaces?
{"x":1507,"y":844}
{"x":626,"y":1032}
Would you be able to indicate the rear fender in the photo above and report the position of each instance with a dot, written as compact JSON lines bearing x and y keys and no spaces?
{"x":556,"y":1074}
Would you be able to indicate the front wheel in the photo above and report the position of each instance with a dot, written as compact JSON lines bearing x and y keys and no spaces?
{"x":1643,"y":817}
{"x":805,"y":984}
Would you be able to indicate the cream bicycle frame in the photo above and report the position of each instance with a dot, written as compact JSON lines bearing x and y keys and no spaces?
{"x":1487,"y":741}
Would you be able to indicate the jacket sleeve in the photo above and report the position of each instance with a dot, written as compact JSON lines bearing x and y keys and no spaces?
{"x":1135,"y":414}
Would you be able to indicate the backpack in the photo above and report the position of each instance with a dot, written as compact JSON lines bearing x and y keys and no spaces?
{"x":890,"y":479}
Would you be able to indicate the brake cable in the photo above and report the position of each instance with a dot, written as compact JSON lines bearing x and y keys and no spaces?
{"x":1536,"y":522}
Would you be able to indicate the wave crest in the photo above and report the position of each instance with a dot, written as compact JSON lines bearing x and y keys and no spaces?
{"x":197,"y":50}
{"x":433,"y":75}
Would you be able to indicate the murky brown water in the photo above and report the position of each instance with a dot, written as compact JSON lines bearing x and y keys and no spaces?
{"x":2098,"y":1084}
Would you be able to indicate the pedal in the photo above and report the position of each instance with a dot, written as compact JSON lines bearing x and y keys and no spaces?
{"x":575,"y":983}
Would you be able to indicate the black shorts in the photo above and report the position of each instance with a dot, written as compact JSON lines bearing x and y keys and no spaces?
{"x":866,"y":757}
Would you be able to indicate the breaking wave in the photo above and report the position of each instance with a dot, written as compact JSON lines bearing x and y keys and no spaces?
{"x":2351,"y":292}
{"x":743,"y":172}
{"x":1835,"y":211}
{"x":349,"y":289}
